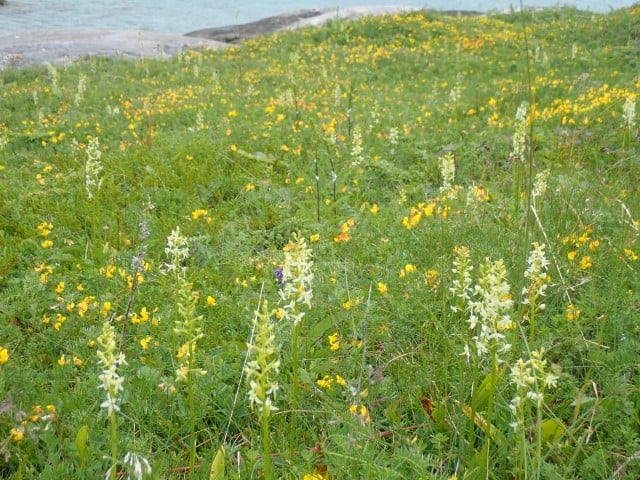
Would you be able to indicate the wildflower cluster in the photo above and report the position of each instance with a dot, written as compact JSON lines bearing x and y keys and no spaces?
{"x":540,"y":183}
{"x":490,"y":309}
{"x":40,"y":419}
{"x":356,"y":147}
{"x":109,"y":358}
{"x":295,"y":278}
{"x":178,"y":251}
{"x":519,"y":143}
{"x":629,"y":113}
{"x":536,"y":273}
{"x":263,"y":369}
{"x":93,"y":167}
{"x":448,"y":172}
{"x":344,"y":236}
{"x":3,"y":138}
{"x":188,"y":325}
{"x":462,"y":268}
{"x":531,"y":379}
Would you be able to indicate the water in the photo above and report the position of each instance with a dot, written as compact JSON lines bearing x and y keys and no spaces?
{"x":182,"y":16}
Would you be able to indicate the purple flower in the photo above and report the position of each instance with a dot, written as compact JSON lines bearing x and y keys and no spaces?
{"x":279,"y":276}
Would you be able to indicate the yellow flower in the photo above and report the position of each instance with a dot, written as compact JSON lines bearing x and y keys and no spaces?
{"x":314,"y":238}
{"x":314,"y":476}
{"x":572,"y":312}
{"x":374,"y":208}
{"x":106,"y":307}
{"x":196,"y":214}
{"x":46,"y":244}
{"x":44,"y":229}
{"x":382,"y":288}
{"x":62,"y":361}
{"x":4,"y":356}
{"x":334,"y":341}
{"x":183,"y":350}
{"x":572,"y":255}
{"x":340,"y":381}
{"x":631,"y":255}
{"x":361,"y":412}
{"x":144,"y":342}
{"x":211,"y":301}
{"x":430,"y":277}
{"x":325,"y":382}
{"x":585,"y":262}
{"x":17,"y":434}
{"x":60,"y":288}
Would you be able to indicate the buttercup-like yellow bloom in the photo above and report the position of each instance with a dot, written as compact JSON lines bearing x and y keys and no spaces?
{"x":585,"y":262}
{"x":4,"y":356}
{"x":17,"y":434}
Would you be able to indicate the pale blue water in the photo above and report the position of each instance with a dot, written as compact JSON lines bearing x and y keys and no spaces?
{"x":182,"y":16}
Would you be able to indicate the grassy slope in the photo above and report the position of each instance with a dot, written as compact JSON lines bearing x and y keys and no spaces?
{"x":242,"y":135}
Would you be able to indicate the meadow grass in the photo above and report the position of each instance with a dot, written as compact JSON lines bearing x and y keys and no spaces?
{"x":470,"y":304}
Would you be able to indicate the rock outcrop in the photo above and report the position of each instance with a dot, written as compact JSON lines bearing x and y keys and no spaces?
{"x":292,"y":20}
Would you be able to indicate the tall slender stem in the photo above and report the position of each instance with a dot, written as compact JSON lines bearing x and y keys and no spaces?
{"x":192,"y":415}
{"x":266,"y":444}
{"x":114,"y":445}
{"x":294,"y":390}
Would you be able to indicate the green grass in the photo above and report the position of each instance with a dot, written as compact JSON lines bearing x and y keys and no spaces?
{"x":335,"y":133}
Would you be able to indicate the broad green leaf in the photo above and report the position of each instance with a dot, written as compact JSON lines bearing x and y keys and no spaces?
{"x":485,"y":392}
{"x":552,"y":430}
{"x":217,"y":466}
{"x":82,"y":437}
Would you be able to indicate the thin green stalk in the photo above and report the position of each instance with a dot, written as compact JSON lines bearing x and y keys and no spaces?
{"x":538,"y":439}
{"x":266,"y":444}
{"x":192,"y":415}
{"x":114,"y":446}
{"x":294,"y":390}
{"x":532,"y":110}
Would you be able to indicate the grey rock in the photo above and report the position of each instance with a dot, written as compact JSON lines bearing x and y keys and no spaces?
{"x":293,"y":20}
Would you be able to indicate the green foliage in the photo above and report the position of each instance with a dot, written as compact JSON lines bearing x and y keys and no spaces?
{"x":336,"y":134}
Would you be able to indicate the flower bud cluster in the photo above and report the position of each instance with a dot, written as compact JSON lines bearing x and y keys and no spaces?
{"x":295,"y":278}
{"x":109,"y":358}
{"x":264,"y":367}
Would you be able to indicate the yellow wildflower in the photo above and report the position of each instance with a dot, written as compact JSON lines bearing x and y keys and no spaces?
{"x":585,"y":262}
{"x":17,"y":434}
{"x":572,"y":312}
{"x":334,"y":341}
{"x":144,"y":342}
{"x":4,"y":356}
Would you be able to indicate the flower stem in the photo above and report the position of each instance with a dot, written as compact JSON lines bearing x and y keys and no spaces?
{"x":114,"y":446}
{"x":192,"y":416}
{"x":294,"y":390}
{"x":266,"y":444}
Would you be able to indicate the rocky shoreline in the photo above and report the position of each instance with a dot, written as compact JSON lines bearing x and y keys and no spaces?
{"x":293,"y":20}
{"x":58,"y":46}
